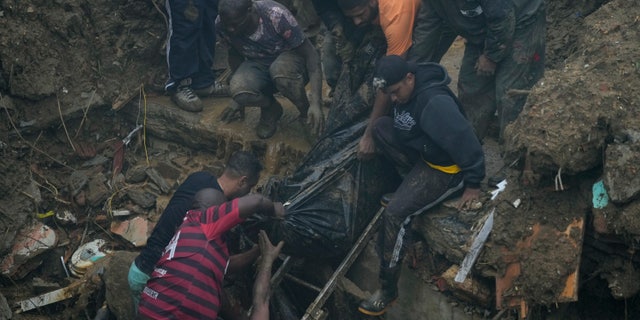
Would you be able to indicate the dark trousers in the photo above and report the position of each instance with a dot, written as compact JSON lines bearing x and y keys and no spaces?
{"x":521,"y":69}
{"x":191,"y":42}
{"x":421,"y":189}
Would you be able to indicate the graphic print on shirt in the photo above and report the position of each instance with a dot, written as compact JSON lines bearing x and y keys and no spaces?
{"x":402,"y":120}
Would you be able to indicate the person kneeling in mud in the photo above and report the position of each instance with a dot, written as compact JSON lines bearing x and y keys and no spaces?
{"x":186,"y":283}
{"x":430,"y":140}
{"x":269,"y":53}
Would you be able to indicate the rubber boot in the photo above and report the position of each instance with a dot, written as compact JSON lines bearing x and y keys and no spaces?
{"x":380,"y":301}
{"x":269,"y":117}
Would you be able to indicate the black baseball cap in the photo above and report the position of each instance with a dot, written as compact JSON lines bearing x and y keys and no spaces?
{"x":391,"y":70}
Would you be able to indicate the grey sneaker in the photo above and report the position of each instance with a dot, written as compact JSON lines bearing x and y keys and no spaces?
{"x":186,"y":99}
{"x":217,"y":89}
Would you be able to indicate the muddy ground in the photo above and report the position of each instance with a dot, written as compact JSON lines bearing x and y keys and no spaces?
{"x":67,"y":69}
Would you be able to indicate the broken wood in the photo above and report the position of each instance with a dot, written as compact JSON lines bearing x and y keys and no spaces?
{"x":470,"y":289}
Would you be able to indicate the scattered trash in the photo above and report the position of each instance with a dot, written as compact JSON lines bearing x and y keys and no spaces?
{"x":501,"y":186}
{"x":476,"y":247}
{"x":49,"y":297}
{"x":120,"y":213}
{"x":45,"y":215}
{"x":86,"y":255}
{"x":134,"y":230}
{"x":517,"y":203}
{"x":29,"y":243}
{"x":600,"y":195}
{"x":66,"y":217}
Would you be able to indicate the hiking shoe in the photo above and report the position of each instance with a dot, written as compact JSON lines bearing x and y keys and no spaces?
{"x":386,"y":198}
{"x":378,"y":303}
{"x":186,"y":99}
{"x":216,"y":89}
{"x":269,"y":117}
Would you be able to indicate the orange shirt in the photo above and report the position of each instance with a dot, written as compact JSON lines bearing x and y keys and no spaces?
{"x":396,"y":18}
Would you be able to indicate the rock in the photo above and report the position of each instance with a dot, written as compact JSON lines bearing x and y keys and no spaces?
{"x":621,"y":172}
{"x":5,"y":310}
{"x":168,"y":171}
{"x":95,"y":161}
{"x":77,"y":181}
{"x":136,"y":174}
{"x":28,"y":244}
{"x":117,"y":287}
{"x":135,"y":230}
{"x":158,"y":180}
{"x":142,"y":198}
{"x":97,"y":192}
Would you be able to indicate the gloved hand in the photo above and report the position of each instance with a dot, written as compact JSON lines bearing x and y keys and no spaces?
{"x":232,"y":113}
{"x":344,"y":47}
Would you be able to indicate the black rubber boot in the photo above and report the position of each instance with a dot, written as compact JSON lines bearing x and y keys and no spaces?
{"x":269,"y":117}
{"x":380,"y":301}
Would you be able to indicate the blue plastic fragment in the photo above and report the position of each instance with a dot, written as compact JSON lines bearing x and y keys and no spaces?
{"x":600,"y":196}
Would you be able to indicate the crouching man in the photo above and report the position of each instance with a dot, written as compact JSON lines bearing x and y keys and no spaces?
{"x":434,"y":147}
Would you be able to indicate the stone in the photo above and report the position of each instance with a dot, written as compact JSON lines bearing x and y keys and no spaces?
{"x":135,"y":230}
{"x":142,"y":197}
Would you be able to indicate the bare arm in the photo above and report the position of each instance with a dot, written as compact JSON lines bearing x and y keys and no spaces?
{"x":237,"y":262}
{"x":366,"y":146}
{"x":261,"y":287}
{"x":253,"y":203}
{"x":312,"y":60}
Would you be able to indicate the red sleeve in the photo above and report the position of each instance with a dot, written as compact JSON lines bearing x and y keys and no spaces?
{"x":219,"y":219}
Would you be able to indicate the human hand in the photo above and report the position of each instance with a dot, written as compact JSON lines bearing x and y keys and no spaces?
{"x":469,"y":199}
{"x":232,"y":113}
{"x":344,"y":47}
{"x":278,"y":210}
{"x":366,"y":147}
{"x":268,"y":251}
{"x":485,"y":67}
{"x":315,"y":119}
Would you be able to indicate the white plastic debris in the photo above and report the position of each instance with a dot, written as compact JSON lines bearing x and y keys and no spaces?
{"x":86,"y":255}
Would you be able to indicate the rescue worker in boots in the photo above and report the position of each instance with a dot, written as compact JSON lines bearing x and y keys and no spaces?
{"x":503,"y":57}
{"x":433,"y":146}
{"x":269,"y":53}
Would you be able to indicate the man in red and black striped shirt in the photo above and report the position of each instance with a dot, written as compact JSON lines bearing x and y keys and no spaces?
{"x":187,"y":281}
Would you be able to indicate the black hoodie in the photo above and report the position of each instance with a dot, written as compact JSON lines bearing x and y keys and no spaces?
{"x":433,"y":123}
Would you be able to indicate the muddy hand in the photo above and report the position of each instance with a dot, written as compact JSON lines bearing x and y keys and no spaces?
{"x":366,"y":147}
{"x":267,"y":249}
{"x":469,"y":196}
{"x":315,"y":119}
{"x":485,"y":67}
{"x":232,"y":113}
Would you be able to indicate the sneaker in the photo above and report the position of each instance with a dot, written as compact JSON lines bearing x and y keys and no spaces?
{"x":269,"y":117}
{"x":386,"y":198}
{"x":186,"y":99}
{"x":378,"y":303}
{"x":217,"y":89}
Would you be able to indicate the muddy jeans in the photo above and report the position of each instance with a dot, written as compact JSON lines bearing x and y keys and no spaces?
{"x":520,"y":70}
{"x":421,"y":189}
{"x":253,"y":83}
